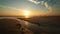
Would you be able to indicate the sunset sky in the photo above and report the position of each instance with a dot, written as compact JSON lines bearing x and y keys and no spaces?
{"x":36,"y":7}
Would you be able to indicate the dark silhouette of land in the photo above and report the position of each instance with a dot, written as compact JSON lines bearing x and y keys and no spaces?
{"x":47,"y":24}
{"x":12,"y":26}
{"x":39,"y":25}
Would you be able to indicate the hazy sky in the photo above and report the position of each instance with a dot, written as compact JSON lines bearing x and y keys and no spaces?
{"x":15,"y":6}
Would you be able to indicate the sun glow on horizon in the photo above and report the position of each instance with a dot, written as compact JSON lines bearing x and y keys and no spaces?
{"x":26,"y":13}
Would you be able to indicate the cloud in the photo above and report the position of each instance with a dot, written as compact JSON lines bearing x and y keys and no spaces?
{"x":12,"y":8}
{"x":47,"y":6}
{"x":43,"y":2}
{"x":34,"y":1}
{"x":9,"y":11}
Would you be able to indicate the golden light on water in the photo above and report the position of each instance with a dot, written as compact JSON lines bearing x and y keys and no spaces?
{"x":26,"y":13}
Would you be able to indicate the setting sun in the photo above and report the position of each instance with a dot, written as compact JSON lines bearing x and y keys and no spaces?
{"x":26,"y":13}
